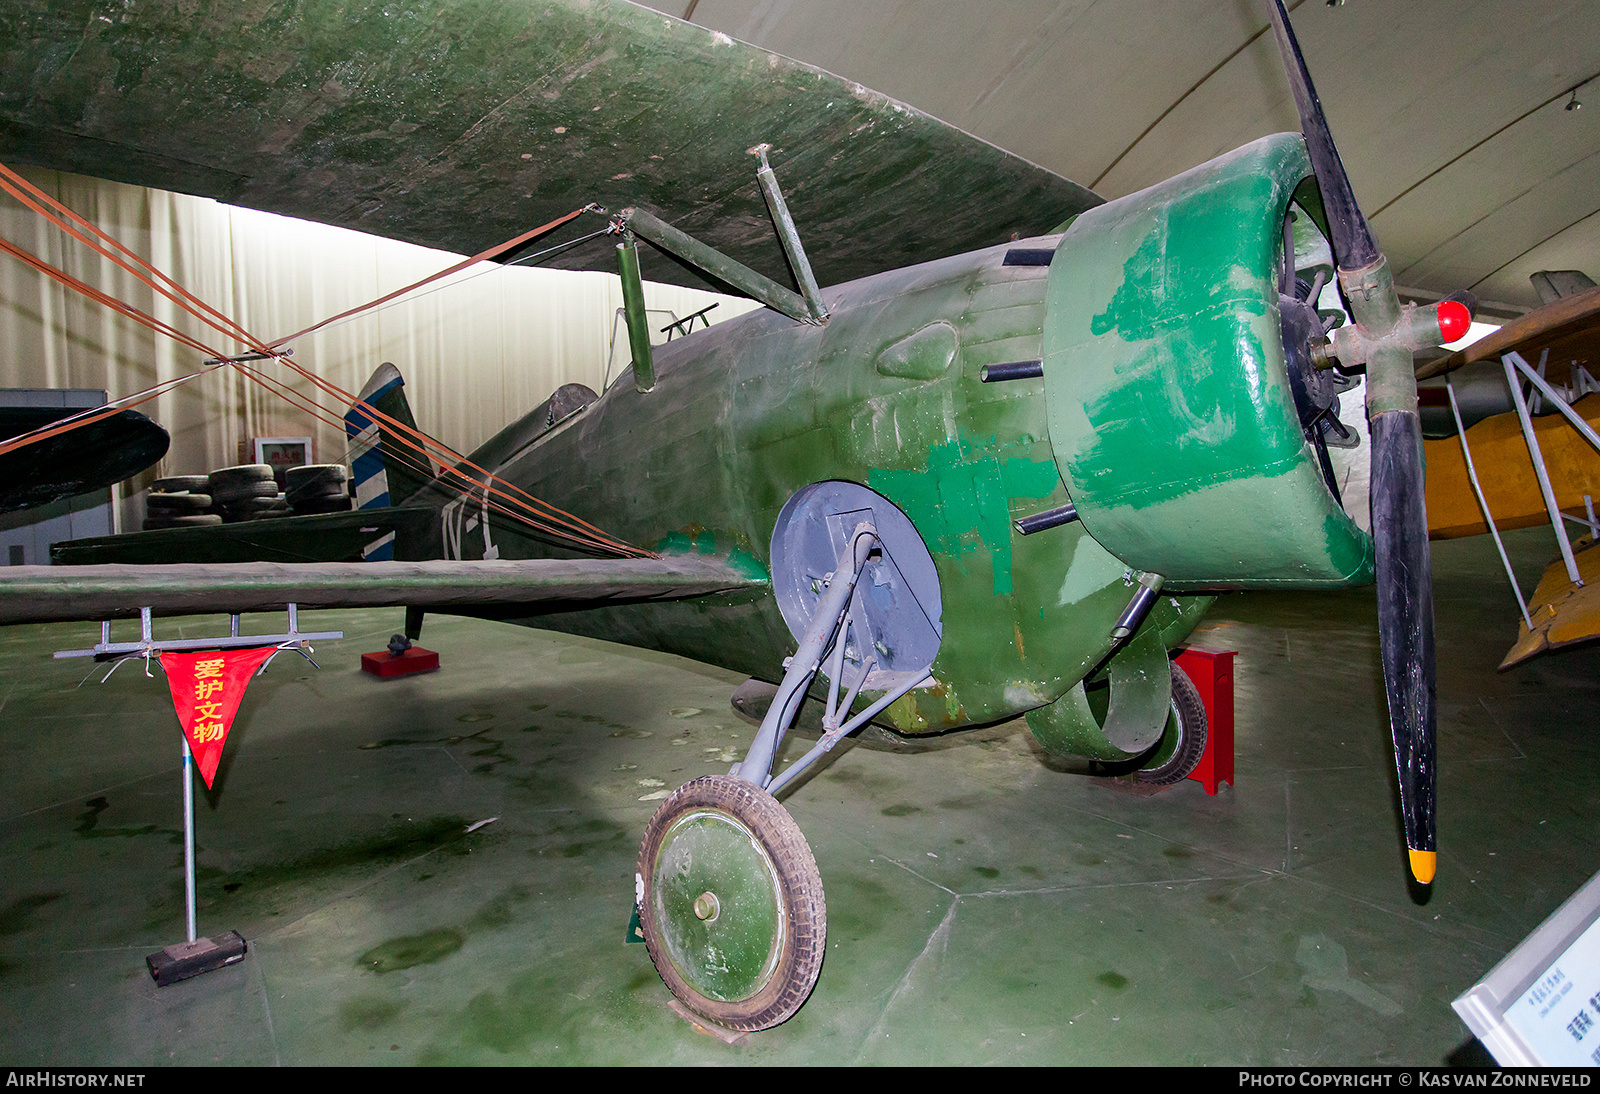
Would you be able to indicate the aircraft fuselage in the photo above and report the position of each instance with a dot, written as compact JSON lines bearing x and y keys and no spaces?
{"x":889,"y":395}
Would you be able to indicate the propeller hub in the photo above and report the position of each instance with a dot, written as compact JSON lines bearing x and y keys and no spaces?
{"x":1454,"y":320}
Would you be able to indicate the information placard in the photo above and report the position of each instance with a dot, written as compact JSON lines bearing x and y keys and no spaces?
{"x":1541,"y":1005}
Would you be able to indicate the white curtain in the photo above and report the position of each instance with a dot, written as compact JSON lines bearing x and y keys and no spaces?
{"x":476,"y":353}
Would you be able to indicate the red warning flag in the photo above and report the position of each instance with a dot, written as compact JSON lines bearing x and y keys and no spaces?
{"x":206,"y":691}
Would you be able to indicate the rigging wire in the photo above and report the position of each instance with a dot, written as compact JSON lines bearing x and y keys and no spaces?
{"x":524,"y":260}
{"x":481,"y":256}
{"x":543,"y":516}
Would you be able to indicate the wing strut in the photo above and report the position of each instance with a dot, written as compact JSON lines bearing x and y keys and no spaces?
{"x":789,"y":236}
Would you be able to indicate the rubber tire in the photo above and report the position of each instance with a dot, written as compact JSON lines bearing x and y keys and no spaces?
{"x":177,"y":503}
{"x":233,"y":493}
{"x":244,"y":472}
{"x":799,"y":888}
{"x":318,"y":480}
{"x":1188,"y":721}
{"x":339,"y":503}
{"x":198,"y":520}
{"x":180,"y":484}
{"x":323,"y":474}
{"x":297,"y":494}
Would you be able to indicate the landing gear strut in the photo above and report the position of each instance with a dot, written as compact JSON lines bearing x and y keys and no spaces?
{"x":730,"y":899}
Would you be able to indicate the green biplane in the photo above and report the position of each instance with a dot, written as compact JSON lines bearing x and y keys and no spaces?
{"x":999,"y":468}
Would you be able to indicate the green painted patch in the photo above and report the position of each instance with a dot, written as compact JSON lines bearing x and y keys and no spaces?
{"x":962,"y":502}
{"x":705,"y":542}
{"x":747,"y":565}
{"x":1169,"y":406}
{"x":1178,"y":408}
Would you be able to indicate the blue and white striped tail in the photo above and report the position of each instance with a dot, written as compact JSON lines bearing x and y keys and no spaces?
{"x":366,"y":451}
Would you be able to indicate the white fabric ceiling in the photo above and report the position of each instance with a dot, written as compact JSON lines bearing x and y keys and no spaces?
{"x":1450,"y":114}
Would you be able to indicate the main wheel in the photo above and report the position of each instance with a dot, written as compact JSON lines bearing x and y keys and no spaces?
{"x":1184,"y":740}
{"x":731,"y":903}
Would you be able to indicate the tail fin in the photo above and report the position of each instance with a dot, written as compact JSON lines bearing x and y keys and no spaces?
{"x":1552,"y":285}
{"x":384,"y":467}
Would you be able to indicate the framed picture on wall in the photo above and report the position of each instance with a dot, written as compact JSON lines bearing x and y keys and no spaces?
{"x":282,"y":453}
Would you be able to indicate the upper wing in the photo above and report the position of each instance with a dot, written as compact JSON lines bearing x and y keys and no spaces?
{"x":40,"y":594}
{"x":462,"y":123}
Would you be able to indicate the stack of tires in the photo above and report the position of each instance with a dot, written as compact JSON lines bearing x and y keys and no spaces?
{"x":246,"y":492}
{"x":179,"y":501}
{"x":317,"y":488}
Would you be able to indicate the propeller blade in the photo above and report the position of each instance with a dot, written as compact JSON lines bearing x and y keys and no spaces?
{"x":1399,"y":519}
{"x":1352,"y":236}
{"x":1405,"y":624}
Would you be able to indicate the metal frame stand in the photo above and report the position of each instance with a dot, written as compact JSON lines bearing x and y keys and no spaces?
{"x":194,"y":955}
{"x":1516,"y":364}
{"x":187,"y":774}
{"x":105,"y":649}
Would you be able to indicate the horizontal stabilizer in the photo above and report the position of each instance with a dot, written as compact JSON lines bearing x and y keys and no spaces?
{"x":43,"y":594}
{"x":1563,"y":613}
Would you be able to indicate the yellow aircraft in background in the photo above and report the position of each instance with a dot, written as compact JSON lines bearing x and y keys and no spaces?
{"x":1481,"y":475}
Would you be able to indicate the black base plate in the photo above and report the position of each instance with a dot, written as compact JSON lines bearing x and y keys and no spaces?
{"x":181,"y":960}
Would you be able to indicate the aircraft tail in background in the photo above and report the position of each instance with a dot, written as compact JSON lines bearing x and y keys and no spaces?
{"x":384,"y":467}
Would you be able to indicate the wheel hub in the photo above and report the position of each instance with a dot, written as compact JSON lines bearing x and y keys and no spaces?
{"x":730,"y":903}
{"x":724,"y":942}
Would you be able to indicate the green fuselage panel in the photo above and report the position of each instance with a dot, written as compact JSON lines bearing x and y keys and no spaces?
{"x":1170,"y":410}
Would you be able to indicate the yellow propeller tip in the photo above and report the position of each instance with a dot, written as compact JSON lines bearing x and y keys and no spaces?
{"x":1423,"y":865}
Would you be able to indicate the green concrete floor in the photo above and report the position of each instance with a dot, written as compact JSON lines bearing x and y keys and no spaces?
{"x":985,"y":906}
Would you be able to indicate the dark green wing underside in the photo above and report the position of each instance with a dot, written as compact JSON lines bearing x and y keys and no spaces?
{"x":462,"y":123}
{"x":41,"y":594}
{"x":329,"y":537}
